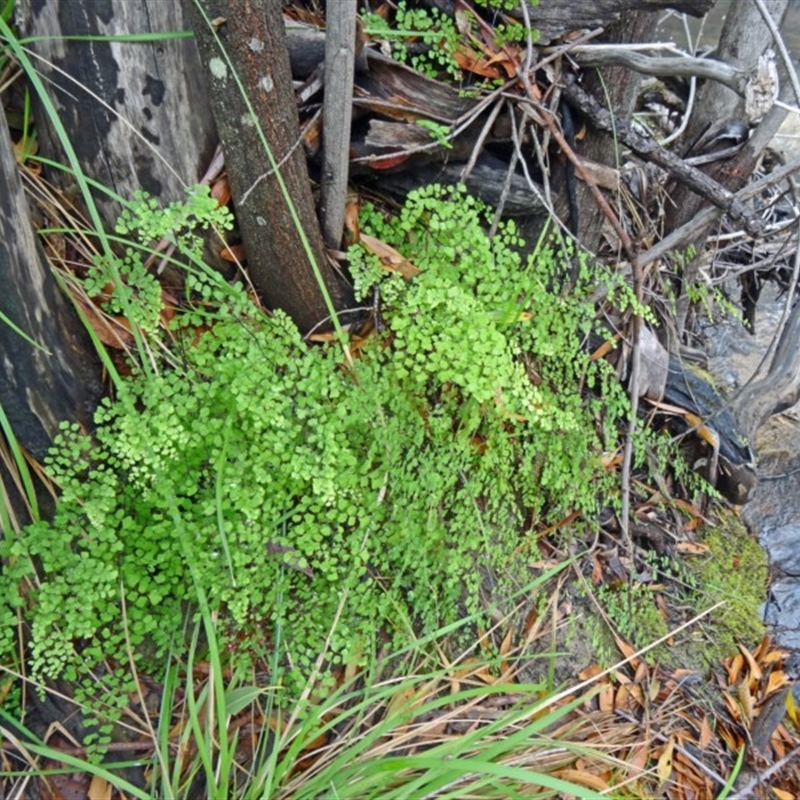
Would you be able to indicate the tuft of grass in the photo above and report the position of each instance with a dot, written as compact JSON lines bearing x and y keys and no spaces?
{"x":405,"y":727}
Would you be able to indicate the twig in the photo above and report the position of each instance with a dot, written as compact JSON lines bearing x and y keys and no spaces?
{"x":553,"y":53}
{"x":270,"y":172}
{"x":546,"y":119}
{"x":687,"y":232}
{"x":512,"y":165}
{"x":746,"y":792}
{"x":476,"y":150}
{"x":458,"y":126}
{"x":679,"y":131}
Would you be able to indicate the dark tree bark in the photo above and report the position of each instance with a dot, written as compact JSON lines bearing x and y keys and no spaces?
{"x":136,"y":113}
{"x":554,"y":18}
{"x":615,"y":88}
{"x":59,"y":379}
{"x":253,"y":38}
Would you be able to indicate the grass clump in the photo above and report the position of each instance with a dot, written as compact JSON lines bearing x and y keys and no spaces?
{"x":280,"y":481}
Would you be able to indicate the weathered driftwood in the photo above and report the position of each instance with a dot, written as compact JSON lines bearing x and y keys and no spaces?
{"x":395,"y":152}
{"x":277,"y":261}
{"x":674,"y":66}
{"x":619,"y":87}
{"x":306,"y":45}
{"x":58,"y":378}
{"x":744,"y":39}
{"x":401,"y":93}
{"x":137,"y":114}
{"x":779,"y":390}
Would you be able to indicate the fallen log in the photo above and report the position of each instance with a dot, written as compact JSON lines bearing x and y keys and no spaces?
{"x":554,"y":18}
{"x":487,"y":181}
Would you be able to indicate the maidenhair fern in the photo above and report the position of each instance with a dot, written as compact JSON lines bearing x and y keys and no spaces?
{"x":285,"y":483}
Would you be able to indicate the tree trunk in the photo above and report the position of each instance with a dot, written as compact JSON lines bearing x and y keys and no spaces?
{"x":58,"y":377}
{"x":617,"y":89}
{"x":275,"y":211}
{"x":137,"y":114}
{"x":745,"y":36}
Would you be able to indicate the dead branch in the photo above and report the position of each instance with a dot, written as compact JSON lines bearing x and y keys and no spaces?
{"x":661,"y":66}
{"x":651,"y":151}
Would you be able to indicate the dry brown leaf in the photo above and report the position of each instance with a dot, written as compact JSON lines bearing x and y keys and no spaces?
{"x":626,"y":650}
{"x":621,"y":677}
{"x":597,"y":571}
{"x":733,"y":707}
{"x":477,"y":63}
{"x":664,"y":766}
{"x":233,"y":253}
{"x":391,"y":259}
{"x":582,"y":778}
{"x":592,"y":671}
{"x":732,"y":739}
{"x":771,"y":657}
{"x":221,"y":190}
{"x":777,"y":680}
{"x":99,"y":789}
{"x":692,"y":548}
{"x":605,"y":698}
{"x":638,"y":759}
{"x":705,"y":733}
{"x":734,"y":667}
{"x":782,"y":794}
{"x":654,"y":689}
{"x":351,"y":219}
{"x":505,"y":649}
{"x":531,"y":628}
{"x":624,"y":700}
{"x":111,"y":331}
{"x":763,"y":648}
{"x":755,"y":671}
{"x":746,"y":702}
{"x":637,"y":693}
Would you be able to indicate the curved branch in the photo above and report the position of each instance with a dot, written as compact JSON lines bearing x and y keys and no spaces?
{"x":661,"y":66}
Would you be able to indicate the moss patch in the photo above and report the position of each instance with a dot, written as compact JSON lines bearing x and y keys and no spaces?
{"x":735,"y":572}
{"x":668,"y":591}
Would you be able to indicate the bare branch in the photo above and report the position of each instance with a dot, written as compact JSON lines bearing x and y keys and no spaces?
{"x":661,"y":66}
